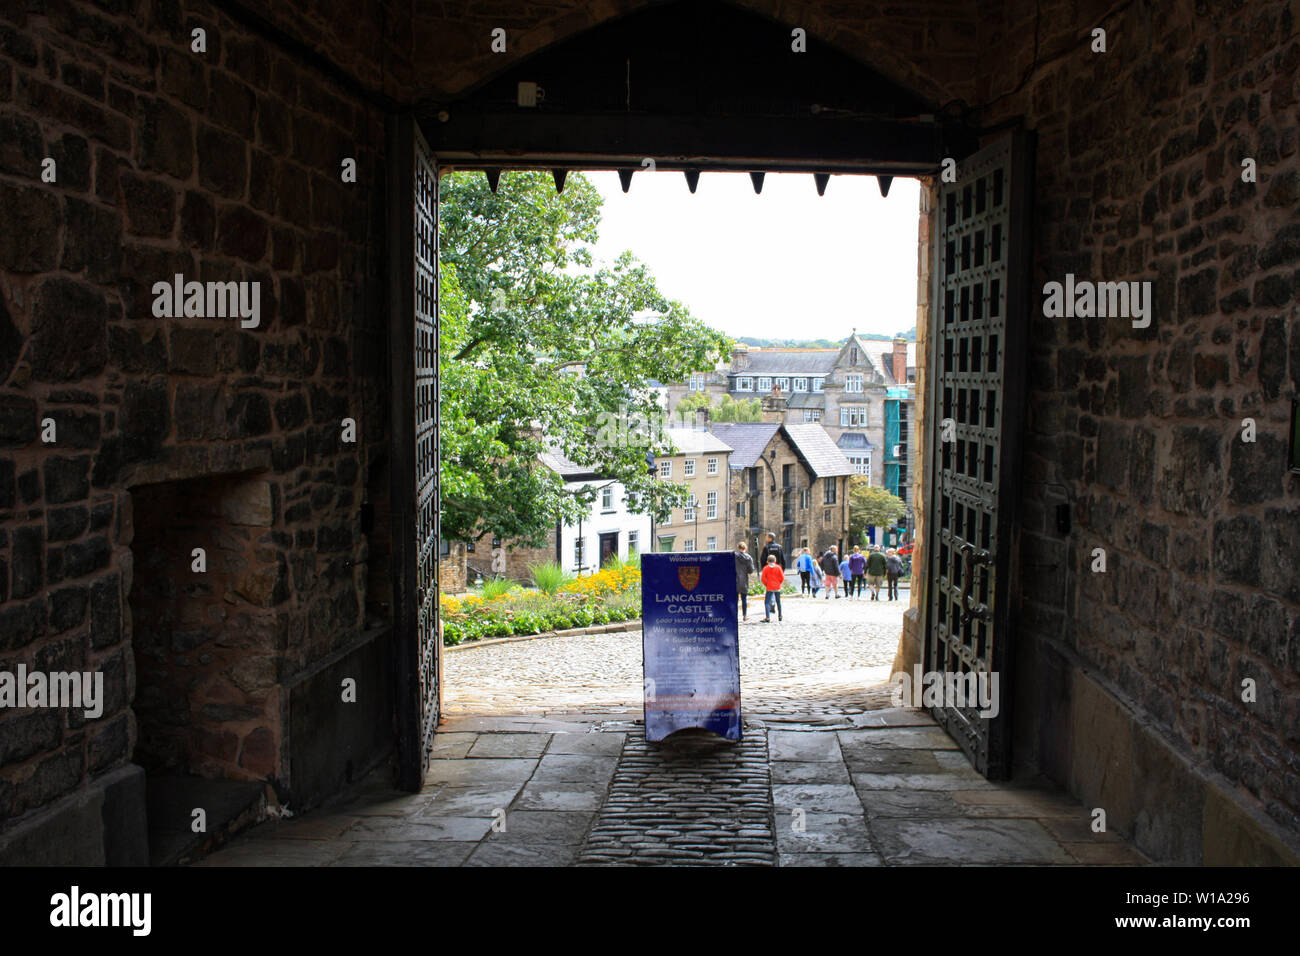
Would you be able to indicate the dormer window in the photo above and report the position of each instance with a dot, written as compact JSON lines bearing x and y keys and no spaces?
{"x":801,"y":384}
{"x":817,"y":384}
{"x":853,"y":383}
{"x":783,"y":384}
{"x":764,"y":383}
{"x":745,"y":383}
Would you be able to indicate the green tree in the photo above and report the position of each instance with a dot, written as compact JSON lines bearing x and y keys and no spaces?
{"x":739,"y":410}
{"x":685,"y":410}
{"x":543,"y":346}
{"x":871,"y":505}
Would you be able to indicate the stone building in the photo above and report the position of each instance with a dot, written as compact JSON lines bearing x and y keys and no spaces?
{"x":787,"y":480}
{"x":1166,"y":155}
{"x":702,"y":463}
{"x":841,"y":389}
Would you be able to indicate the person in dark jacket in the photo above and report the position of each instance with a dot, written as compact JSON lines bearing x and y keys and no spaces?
{"x":893,"y":570}
{"x":744,"y":568}
{"x":876,"y":568}
{"x":772,"y":548}
{"x":830,"y":563}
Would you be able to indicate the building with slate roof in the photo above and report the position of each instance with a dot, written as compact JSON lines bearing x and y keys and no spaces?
{"x":845,"y":390}
{"x":787,"y":480}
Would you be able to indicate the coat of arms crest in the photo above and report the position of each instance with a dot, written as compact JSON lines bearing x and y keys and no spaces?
{"x":689,"y":576}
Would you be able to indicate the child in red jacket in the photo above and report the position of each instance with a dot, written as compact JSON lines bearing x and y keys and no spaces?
{"x":773,"y":577}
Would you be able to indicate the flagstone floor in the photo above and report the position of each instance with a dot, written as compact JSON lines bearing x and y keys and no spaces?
{"x":827,"y":772}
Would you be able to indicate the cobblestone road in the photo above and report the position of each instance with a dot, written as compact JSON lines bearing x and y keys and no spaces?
{"x":819,"y":663}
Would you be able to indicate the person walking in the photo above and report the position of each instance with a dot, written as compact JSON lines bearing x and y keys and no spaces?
{"x":858,"y":565}
{"x":893,"y":570}
{"x":744,"y":568}
{"x":876,"y":567}
{"x":804,"y":564}
{"x":816,"y":578}
{"x":846,"y":576}
{"x":769,"y":549}
{"x":830,"y":565}
{"x":773,"y":577}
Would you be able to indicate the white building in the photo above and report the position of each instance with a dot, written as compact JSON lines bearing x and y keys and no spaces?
{"x":609,"y":528}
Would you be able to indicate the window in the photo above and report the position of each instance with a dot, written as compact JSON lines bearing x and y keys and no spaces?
{"x":853,"y":415}
{"x":607,"y":499}
{"x":861,"y":463}
{"x":577,"y":552}
{"x":764,"y":384}
{"x":697,"y":381}
{"x":689,"y":545}
{"x":745,"y":384}
{"x":812,"y":415}
{"x":740,"y":509}
{"x":783,"y":384}
{"x":688,"y":513}
{"x":665,"y":469}
{"x":801,"y":384}
{"x":803,"y":500}
{"x":712,"y":466}
{"x":826,"y":516}
{"x":668,"y":518}
{"x":711,"y":505}
{"x":830,"y":491}
{"x":688,"y":468}
{"x":711,"y":544}
{"x":631,"y":542}
{"x":853,"y":356}
{"x":818,"y":383}
{"x":852,"y":383}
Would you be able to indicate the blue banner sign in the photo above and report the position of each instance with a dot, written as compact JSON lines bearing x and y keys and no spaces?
{"x":690,"y":645}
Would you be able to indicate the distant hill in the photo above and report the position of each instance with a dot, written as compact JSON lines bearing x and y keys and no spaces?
{"x":910,"y":335}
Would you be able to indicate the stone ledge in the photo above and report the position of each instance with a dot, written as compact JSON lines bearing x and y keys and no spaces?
{"x":632,"y":625}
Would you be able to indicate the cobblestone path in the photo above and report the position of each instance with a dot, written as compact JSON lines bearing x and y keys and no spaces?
{"x":818,"y":663}
{"x":692,"y":799}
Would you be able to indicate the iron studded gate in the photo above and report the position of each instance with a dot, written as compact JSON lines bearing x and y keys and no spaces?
{"x":977,"y":362}
{"x":413,"y":208}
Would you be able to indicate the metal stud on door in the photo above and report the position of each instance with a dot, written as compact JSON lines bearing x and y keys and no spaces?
{"x":976,"y":402}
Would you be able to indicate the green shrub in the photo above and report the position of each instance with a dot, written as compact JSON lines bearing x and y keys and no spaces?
{"x":494,"y":589}
{"x":549,"y":577}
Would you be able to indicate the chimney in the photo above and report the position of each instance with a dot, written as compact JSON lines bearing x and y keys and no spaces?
{"x":900,"y":360}
{"x":774,"y":405}
{"x":740,"y":357}
{"x":702,"y":419}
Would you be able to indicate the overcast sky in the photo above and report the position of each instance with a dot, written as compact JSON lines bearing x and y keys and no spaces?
{"x":784,"y":264}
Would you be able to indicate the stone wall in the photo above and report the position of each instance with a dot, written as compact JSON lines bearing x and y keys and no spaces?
{"x":221,"y":165}
{"x":1139,"y":431}
{"x":206,"y":663}
{"x":820,"y":524}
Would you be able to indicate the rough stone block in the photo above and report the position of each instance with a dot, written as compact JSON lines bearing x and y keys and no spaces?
{"x":69,"y":331}
{"x":30,"y":240}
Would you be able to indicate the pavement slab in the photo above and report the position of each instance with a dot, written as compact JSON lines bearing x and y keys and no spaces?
{"x":546,"y":738}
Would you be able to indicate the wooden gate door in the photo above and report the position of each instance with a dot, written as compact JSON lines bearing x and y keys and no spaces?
{"x":977,"y":371}
{"x":413,"y":238}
